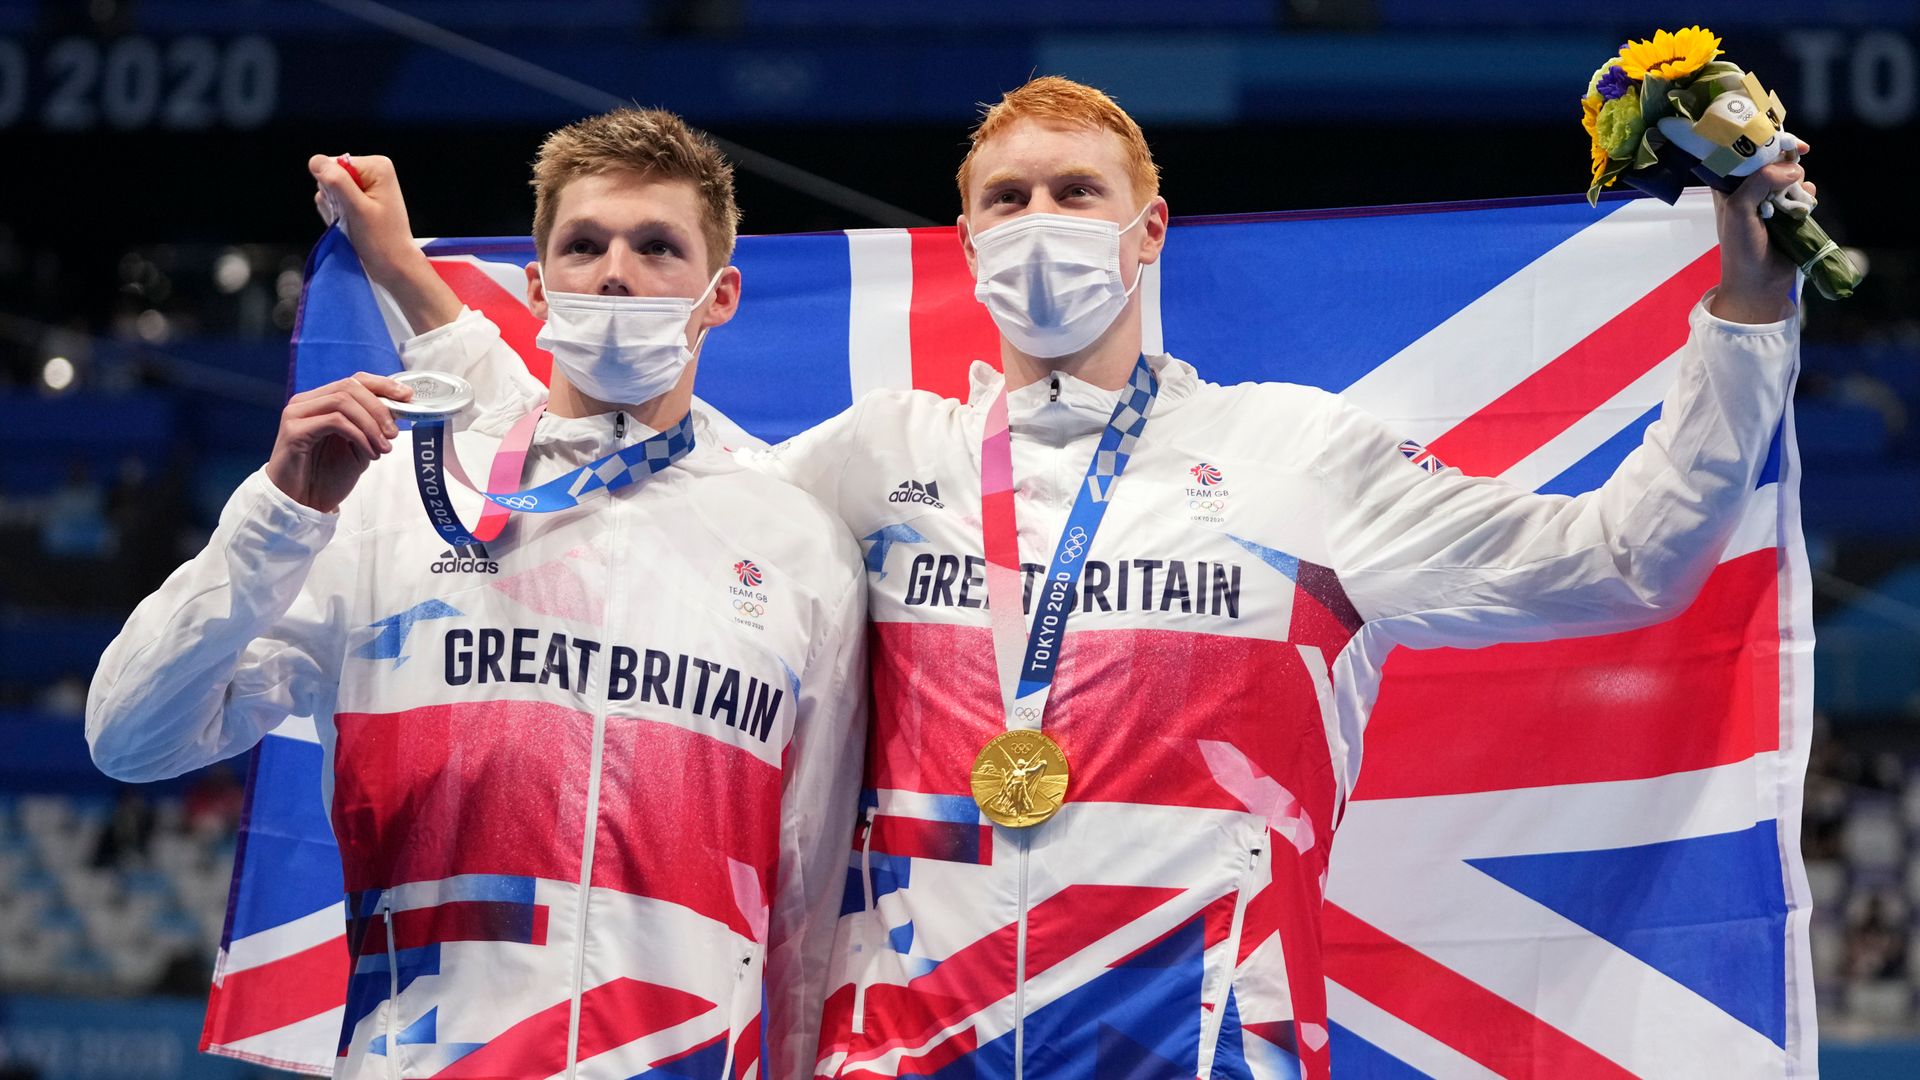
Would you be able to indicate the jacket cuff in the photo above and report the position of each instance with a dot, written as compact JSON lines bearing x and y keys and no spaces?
{"x":269,"y":519}
{"x":1702,"y":318}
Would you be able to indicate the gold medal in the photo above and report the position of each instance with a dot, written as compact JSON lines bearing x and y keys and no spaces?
{"x":1020,"y":778}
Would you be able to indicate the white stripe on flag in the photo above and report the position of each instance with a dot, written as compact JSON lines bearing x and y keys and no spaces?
{"x":1759,"y":526}
{"x":1595,"y":274}
{"x":293,"y":1047}
{"x":282,"y":941}
{"x":1796,"y":729}
{"x":1586,"y":434}
{"x":879,"y":342}
{"x":297,"y":728}
{"x":1399,"y":1038}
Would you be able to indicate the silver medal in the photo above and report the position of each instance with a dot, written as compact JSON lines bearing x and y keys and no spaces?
{"x":435,"y":394}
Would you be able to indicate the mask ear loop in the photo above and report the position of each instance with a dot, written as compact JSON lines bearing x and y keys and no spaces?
{"x":701,"y":299}
{"x":1139,"y":270}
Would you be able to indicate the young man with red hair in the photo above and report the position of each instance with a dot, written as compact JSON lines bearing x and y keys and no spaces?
{"x":1103,"y":852}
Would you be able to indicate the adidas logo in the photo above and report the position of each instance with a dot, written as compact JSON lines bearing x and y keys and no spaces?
{"x":913,"y":491}
{"x":464,"y":562}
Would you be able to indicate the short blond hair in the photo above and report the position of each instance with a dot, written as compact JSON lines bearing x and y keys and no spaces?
{"x":654,"y":143}
{"x":1064,"y":101}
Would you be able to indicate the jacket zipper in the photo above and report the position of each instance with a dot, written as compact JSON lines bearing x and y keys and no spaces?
{"x":1020,"y":971}
{"x":393,"y":988}
{"x":866,"y":885}
{"x":1061,"y":458}
{"x":601,"y":705}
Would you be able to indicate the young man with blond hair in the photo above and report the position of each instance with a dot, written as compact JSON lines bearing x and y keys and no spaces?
{"x":575,"y":771}
{"x":1102,"y":852}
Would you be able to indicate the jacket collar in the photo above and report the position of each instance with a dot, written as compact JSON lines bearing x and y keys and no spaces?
{"x":589,"y":436}
{"x":1079,"y":408}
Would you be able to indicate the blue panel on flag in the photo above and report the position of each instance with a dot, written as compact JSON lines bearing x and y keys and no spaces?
{"x":1592,"y":471}
{"x":1354,"y":1058}
{"x":287,"y":830}
{"x":1341,"y":294}
{"x":781,"y":365}
{"x":1709,"y":912}
{"x":699,"y":1063}
{"x":349,"y":335}
{"x":1770,"y":471}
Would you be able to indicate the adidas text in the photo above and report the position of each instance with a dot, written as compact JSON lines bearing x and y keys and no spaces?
{"x":913,"y":491}
{"x":447,"y":563}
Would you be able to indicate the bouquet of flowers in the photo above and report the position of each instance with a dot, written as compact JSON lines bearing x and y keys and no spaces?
{"x":1666,"y":111}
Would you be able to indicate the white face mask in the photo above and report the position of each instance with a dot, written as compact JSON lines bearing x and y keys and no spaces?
{"x":1052,"y":281}
{"x":622,"y":350}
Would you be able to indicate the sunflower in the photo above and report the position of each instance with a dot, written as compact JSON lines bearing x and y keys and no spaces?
{"x":1590,"y":106}
{"x":1670,"y":56}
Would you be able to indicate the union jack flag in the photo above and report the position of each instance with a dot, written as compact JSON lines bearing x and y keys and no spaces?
{"x":1420,"y":456}
{"x":1563,"y":859}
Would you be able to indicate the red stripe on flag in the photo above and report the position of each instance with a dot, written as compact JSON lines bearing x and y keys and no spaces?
{"x":1580,"y":380}
{"x":275,"y":994}
{"x":479,"y":291}
{"x":1453,"y":1008}
{"x":947,"y":328}
{"x":1699,"y":690}
{"x":611,"y":1014}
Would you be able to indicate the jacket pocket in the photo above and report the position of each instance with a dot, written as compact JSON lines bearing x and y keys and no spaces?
{"x":1217,"y":982}
{"x":862,"y":941}
{"x":392,"y":1033}
{"x":743,"y":1012}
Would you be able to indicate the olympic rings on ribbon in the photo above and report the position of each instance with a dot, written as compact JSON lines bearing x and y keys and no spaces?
{"x":1074,"y":544}
{"x":1211,"y":506}
{"x":518,"y":502}
{"x":1027,"y":713}
{"x":748,"y":607}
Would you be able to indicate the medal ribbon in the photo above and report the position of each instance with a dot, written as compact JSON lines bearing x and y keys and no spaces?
{"x":1026,"y":684}
{"x":434,"y":461}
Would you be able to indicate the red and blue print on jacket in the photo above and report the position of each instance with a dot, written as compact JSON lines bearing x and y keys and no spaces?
{"x":1562,"y":859}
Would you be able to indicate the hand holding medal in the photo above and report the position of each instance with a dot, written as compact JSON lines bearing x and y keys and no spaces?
{"x":330,"y":434}
{"x":1665,"y":112}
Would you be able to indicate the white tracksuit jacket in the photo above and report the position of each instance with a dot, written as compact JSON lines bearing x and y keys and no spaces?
{"x":1265,"y":549}
{"x":590,"y":793}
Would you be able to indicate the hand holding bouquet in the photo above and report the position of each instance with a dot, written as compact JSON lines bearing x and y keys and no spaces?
{"x":1665,"y":112}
